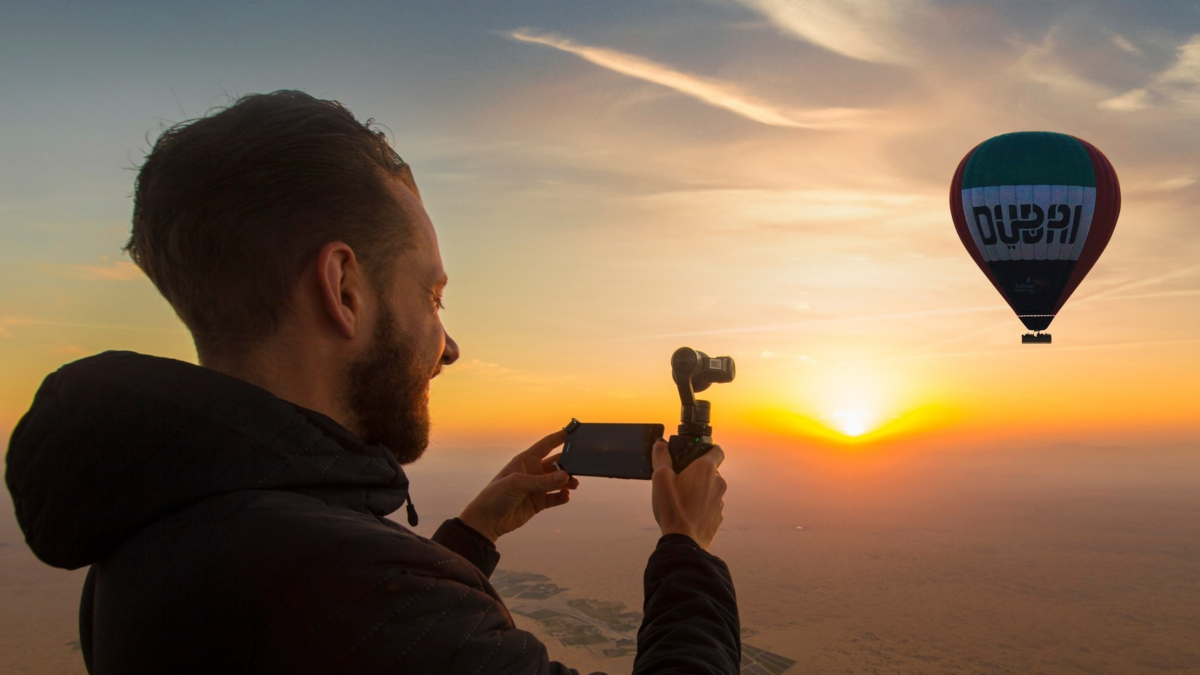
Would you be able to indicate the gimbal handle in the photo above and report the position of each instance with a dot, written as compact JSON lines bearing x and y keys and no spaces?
{"x":695,"y":371}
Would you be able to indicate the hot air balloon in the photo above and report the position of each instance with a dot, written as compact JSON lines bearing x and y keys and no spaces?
{"x":1035,"y":210}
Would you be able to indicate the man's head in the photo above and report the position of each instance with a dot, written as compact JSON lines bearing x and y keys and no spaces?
{"x":284,"y":232}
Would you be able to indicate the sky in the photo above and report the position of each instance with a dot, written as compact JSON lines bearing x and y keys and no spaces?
{"x":765,"y":179}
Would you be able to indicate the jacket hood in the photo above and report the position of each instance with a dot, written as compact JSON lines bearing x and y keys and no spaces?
{"x":116,"y":441}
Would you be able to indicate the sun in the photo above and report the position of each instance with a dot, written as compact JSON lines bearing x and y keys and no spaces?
{"x":854,"y":422}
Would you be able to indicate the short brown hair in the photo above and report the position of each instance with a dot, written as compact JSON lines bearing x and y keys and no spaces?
{"x":231,"y":207}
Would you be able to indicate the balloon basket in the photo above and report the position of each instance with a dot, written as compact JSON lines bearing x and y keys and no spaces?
{"x":1035,"y":339}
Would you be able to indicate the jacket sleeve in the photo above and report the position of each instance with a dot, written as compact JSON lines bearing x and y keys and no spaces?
{"x":461,"y":538}
{"x":690,"y":619}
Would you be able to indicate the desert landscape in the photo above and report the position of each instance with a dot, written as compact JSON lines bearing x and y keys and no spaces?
{"x":1057,"y":560}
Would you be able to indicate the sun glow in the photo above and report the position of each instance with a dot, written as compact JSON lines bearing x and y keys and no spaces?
{"x":854,"y":422}
{"x":852,"y":427}
{"x":853,"y":400}
{"x":845,"y":405}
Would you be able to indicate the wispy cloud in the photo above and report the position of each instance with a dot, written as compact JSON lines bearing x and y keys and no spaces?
{"x":67,"y":350}
{"x":1115,"y":291}
{"x":1136,"y":99}
{"x":7,"y":322}
{"x":1022,"y":348}
{"x":937,"y":345}
{"x":1043,"y":63}
{"x":118,"y":270}
{"x":1176,"y":183}
{"x":1179,"y":84}
{"x":1125,"y":45}
{"x":774,"y":327}
{"x":803,"y":358}
{"x":484,"y":370}
{"x":1108,"y":294}
{"x":783,"y":207}
{"x":1183,"y":293}
{"x":725,"y":95}
{"x":866,"y":30}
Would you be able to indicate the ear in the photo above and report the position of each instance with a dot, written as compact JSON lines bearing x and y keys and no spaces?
{"x":343,"y":287}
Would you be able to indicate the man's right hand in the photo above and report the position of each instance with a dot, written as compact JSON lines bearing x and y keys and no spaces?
{"x":690,"y":502}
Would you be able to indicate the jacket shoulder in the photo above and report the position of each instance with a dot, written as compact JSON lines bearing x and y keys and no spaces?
{"x":308,"y":544}
{"x":261,"y":573}
{"x":372,"y":596}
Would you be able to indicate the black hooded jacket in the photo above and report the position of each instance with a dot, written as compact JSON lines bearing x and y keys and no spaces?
{"x":230,"y":531}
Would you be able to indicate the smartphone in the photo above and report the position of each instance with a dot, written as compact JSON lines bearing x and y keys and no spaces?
{"x":609,"y":450}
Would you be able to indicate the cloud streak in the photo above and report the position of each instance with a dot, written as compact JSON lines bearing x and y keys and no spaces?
{"x":865,"y":30}
{"x":1179,"y":84}
{"x":740,"y":205}
{"x":1019,"y":348}
{"x":8,"y":322}
{"x":1043,"y":64}
{"x":1108,"y":294}
{"x":1113,"y":291}
{"x":768,"y":328}
{"x":118,"y":270}
{"x":717,"y":93}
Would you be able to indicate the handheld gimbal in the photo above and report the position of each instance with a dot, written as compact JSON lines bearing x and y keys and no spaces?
{"x":695,"y":371}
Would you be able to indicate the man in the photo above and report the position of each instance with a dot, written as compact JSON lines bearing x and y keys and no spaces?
{"x":233,"y":512}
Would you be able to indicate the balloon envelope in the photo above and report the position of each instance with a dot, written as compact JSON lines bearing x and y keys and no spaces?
{"x":1035,"y":209}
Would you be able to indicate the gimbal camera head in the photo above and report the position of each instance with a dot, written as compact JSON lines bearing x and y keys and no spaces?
{"x":695,"y":371}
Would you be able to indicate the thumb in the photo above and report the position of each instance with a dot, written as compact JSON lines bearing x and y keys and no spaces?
{"x":543,"y":483}
{"x":660,"y":456}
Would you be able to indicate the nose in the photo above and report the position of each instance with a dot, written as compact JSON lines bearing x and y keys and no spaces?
{"x":450,"y":352}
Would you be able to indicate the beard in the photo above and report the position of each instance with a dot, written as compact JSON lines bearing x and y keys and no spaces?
{"x":387,"y":393}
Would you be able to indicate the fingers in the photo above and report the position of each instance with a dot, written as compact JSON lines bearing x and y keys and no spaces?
{"x":548,"y":463}
{"x":544,"y":446}
{"x":548,"y":466}
{"x":716,"y":455}
{"x":660,"y":457}
{"x":557,"y":498}
{"x":529,"y":483}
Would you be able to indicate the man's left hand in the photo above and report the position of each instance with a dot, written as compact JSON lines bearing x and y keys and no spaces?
{"x":525,"y":486}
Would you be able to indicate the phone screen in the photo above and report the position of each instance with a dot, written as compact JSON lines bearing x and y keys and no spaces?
{"x":610,"y":450}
